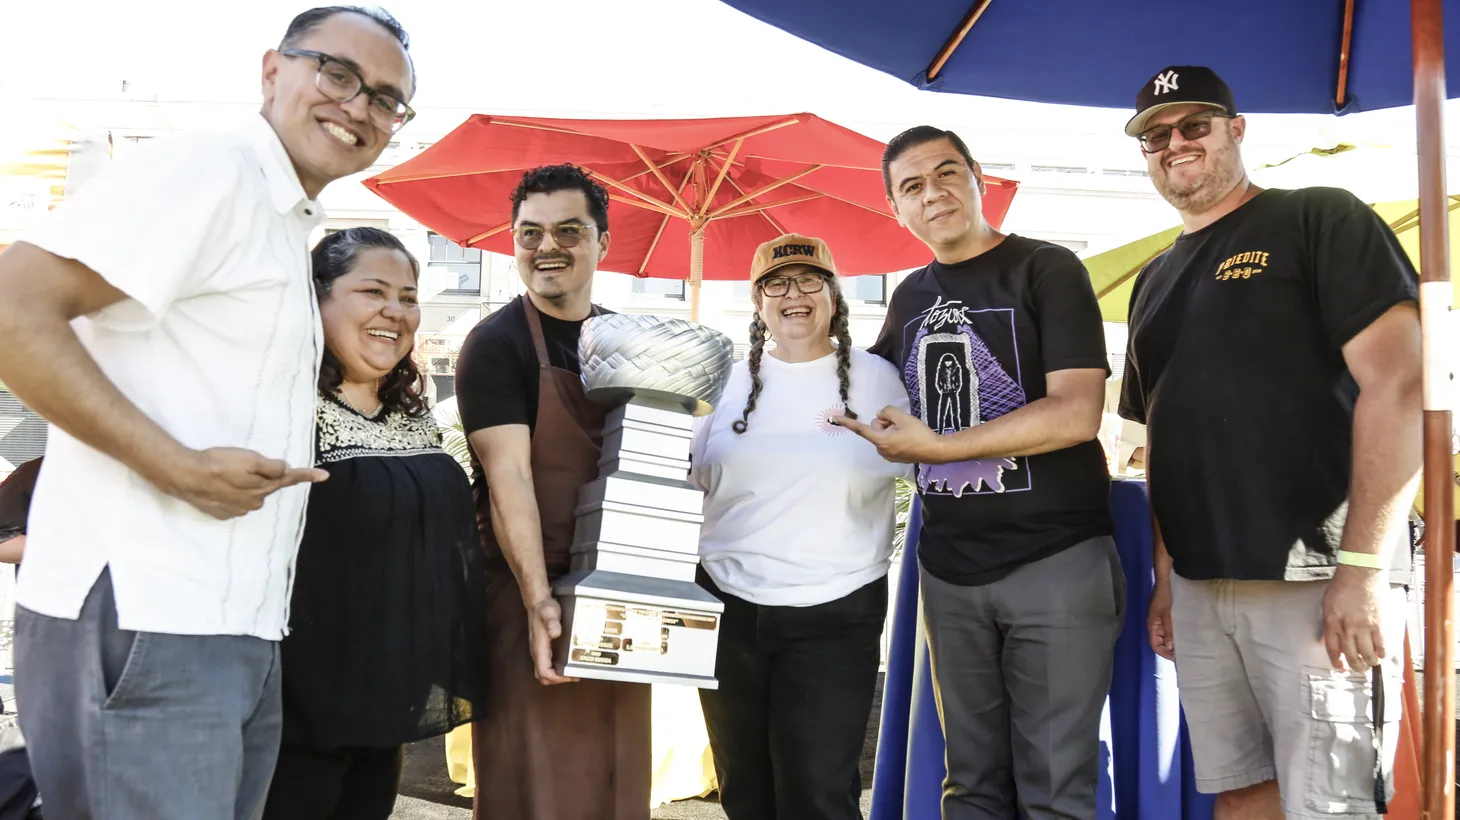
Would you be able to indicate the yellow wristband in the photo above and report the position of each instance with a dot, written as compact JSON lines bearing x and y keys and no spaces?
{"x":1368,"y":560}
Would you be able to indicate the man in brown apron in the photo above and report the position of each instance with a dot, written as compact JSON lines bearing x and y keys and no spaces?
{"x":546,"y":747}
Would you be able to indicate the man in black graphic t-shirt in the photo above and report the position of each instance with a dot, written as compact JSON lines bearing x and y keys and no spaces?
{"x":1274,"y":357}
{"x":1002,"y":351}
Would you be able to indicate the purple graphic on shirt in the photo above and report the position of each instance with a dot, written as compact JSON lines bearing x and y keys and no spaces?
{"x":961,"y":476}
{"x":955,"y":382}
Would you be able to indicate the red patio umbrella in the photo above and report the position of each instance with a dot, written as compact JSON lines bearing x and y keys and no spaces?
{"x":690,"y":199}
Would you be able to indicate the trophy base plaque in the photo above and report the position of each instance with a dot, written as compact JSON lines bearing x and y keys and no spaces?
{"x":638,"y":630}
{"x":631,"y":608}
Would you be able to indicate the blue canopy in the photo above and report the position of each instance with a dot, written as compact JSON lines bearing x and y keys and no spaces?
{"x":1279,"y":56}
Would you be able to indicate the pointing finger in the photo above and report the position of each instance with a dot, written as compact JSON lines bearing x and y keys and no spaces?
{"x":861,"y":429}
{"x":301,"y":475}
{"x":270,"y":468}
{"x":896,"y":415}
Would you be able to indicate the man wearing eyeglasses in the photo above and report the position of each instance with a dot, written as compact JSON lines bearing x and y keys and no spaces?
{"x":546,"y":747}
{"x":1274,"y":356}
{"x":163,"y":320}
{"x":1003,"y":355}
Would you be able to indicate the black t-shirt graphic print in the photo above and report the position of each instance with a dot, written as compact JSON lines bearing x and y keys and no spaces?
{"x":974,"y":342}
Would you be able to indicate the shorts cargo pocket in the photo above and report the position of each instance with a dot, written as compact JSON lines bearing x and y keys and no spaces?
{"x":1339,"y":708}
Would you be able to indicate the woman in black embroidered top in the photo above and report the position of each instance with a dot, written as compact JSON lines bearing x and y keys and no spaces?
{"x":386,"y":611}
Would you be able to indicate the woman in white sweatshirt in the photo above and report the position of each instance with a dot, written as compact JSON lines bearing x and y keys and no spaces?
{"x":797,"y":542}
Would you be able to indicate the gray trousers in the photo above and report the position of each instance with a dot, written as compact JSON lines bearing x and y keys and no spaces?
{"x":1022,"y":668}
{"x":145,"y":726}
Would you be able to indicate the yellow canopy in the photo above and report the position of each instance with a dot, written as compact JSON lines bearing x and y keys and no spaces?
{"x":1113,"y":273}
{"x":34,"y":157}
{"x":1419,"y":503}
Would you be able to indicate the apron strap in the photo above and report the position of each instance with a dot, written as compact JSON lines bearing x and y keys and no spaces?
{"x":534,"y":326}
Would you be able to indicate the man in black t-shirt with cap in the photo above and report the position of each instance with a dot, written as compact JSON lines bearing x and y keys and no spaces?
{"x":1274,"y":356}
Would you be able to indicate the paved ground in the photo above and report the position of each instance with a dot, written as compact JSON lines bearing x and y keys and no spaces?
{"x":428,"y":794}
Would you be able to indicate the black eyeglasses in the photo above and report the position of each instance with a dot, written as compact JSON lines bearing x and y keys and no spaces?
{"x":807,"y":283}
{"x":341,"y":83}
{"x":1194,"y":127}
{"x":567,"y":235}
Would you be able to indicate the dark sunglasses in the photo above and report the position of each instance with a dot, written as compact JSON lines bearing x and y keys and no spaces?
{"x":566,"y":235}
{"x":1194,"y":127}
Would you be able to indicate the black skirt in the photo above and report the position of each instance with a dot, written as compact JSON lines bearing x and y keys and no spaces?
{"x":386,"y":642}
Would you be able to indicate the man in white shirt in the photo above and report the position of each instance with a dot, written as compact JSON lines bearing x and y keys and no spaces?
{"x":163,"y":320}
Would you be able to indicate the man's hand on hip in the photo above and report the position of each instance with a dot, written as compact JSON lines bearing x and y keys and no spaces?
{"x":1352,"y":617}
{"x":226,"y":482}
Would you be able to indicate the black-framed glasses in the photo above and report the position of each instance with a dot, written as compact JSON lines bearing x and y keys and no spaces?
{"x":566,"y":235}
{"x":1194,"y":127}
{"x":807,"y":283}
{"x":341,"y":83}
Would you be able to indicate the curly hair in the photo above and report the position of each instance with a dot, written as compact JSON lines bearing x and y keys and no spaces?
{"x":550,"y":179}
{"x":840,"y":330}
{"x":403,"y":388}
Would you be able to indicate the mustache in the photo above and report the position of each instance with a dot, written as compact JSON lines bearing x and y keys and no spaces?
{"x":552,"y":257}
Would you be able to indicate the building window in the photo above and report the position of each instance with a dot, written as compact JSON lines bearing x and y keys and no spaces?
{"x":997,"y":166}
{"x":869,"y":290}
{"x":463,"y":265}
{"x":668,"y":288}
{"x":1123,"y":172}
{"x":1058,"y":169}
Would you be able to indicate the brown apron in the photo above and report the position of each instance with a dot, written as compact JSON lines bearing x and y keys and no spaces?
{"x":575,"y":751}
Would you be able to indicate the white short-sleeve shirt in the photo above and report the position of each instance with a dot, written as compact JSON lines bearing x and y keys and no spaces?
{"x":798,"y":511}
{"x":219,"y":342}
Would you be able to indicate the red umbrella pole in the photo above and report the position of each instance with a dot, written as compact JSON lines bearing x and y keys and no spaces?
{"x":1435,"y":300}
{"x":696,"y":270}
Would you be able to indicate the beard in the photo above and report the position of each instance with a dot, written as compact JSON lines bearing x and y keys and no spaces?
{"x":549,"y":289}
{"x":1223,"y":173}
{"x":554,"y":287}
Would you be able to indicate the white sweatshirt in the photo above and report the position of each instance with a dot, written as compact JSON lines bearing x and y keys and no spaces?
{"x":798,"y":511}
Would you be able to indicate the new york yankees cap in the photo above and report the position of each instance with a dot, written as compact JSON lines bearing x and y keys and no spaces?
{"x":790,"y":249}
{"x":1180,"y":85}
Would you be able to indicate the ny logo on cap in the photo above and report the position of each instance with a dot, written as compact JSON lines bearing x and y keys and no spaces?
{"x":1166,"y":82}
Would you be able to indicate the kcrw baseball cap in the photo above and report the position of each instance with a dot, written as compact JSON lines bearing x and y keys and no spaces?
{"x":790,"y":249}
{"x":1180,"y":85}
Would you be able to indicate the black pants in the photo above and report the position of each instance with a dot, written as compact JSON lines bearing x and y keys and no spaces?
{"x":789,"y":719}
{"x":341,"y":784}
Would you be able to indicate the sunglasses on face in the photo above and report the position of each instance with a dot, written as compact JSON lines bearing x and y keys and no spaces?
{"x":806,"y":283}
{"x":566,"y":235}
{"x":1194,"y":127}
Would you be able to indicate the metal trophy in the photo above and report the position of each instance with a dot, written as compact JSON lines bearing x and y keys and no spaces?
{"x":631,"y":608}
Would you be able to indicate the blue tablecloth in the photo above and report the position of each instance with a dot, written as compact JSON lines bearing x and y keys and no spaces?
{"x":1146,"y":771}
